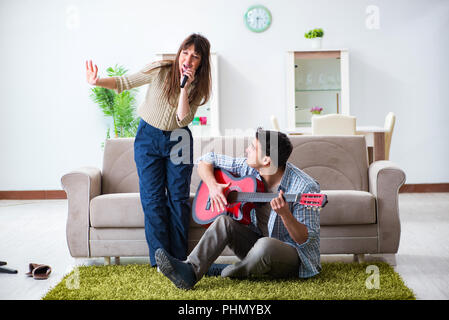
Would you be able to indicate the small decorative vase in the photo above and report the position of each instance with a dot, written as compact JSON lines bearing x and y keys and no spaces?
{"x":316,"y":42}
{"x":316,"y":112}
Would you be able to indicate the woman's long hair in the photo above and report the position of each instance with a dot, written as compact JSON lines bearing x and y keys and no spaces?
{"x":200,"y":92}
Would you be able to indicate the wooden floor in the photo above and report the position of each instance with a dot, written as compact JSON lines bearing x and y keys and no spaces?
{"x":34,"y":231}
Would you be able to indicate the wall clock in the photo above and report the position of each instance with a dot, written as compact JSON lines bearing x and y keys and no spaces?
{"x":257,"y":18}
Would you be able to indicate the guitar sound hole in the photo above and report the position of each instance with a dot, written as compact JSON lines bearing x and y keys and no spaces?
{"x":232,"y":196}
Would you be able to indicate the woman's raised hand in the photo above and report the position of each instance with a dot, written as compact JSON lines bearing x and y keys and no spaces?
{"x":91,"y":73}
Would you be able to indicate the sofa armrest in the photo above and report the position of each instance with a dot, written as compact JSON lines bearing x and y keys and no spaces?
{"x":385,"y":179}
{"x":81,"y":186}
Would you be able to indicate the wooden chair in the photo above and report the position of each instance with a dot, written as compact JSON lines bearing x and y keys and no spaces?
{"x":390,"y":119}
{"x":333,"y":124}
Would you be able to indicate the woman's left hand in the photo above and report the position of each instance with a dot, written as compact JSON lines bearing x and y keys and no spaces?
{"x":190,"y":73}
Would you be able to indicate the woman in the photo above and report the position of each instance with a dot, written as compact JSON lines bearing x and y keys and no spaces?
{"x":165,"y":184}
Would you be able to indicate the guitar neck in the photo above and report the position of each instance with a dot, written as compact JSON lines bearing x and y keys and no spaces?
{"x":258,"y":197}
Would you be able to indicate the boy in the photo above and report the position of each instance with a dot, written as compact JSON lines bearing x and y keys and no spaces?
{"x":281,"y":241}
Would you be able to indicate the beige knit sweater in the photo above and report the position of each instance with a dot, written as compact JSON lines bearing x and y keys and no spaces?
{"x":155,"y":109}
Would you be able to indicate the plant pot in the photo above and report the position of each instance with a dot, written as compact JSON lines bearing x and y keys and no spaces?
{"x":316,"y":42}
{"x":316,"y":112}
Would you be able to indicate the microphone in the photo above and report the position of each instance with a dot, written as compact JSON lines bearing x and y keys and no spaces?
{"x":183,"y":81}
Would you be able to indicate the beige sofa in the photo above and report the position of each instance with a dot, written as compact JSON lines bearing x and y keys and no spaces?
{"x":105,"y":217}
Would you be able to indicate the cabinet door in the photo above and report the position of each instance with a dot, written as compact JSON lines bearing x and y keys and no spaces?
{"x":316,"y":80}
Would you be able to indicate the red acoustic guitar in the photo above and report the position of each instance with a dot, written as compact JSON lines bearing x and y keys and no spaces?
{"x":242,"y":195}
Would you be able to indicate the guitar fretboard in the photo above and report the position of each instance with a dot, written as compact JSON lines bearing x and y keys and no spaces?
{"x":257,"y":197}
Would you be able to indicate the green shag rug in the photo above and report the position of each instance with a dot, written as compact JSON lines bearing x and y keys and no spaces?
{"x":337,"y":281}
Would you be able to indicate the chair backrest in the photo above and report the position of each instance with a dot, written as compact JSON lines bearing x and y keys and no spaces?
{"x":390,"y":120}
{"x":275,"y":123}
{"x":336,"y":162}
{"x":333,"y":124}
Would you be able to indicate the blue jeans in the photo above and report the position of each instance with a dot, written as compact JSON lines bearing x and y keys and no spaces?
{"x":164,"y":183}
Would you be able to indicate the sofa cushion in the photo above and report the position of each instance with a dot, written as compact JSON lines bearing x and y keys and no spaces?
{"x":124,"y":210}
{"x":348,"y":207}
{"x":121,"y":210}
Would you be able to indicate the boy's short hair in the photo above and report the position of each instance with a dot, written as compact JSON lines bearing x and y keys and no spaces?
{"x":275,"y":144}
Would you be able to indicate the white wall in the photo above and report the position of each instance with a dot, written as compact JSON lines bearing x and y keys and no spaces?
{"x":49,"y":125}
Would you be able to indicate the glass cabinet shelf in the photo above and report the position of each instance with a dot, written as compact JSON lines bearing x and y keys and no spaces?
{"x":313,"y":90}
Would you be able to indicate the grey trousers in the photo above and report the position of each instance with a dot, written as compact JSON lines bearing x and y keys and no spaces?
{"x":258,"y":255}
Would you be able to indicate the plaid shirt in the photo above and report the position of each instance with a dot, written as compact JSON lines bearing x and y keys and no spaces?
{"x":294,"y":181}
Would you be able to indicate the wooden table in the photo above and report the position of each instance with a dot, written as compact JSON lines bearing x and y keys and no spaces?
{"x":375,"y":139}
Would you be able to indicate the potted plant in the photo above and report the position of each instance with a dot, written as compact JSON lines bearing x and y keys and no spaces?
{"x":316,"y":35}
{"x":120,"y":107}
{"x":316,"y":110}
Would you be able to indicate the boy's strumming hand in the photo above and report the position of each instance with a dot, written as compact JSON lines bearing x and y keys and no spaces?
{"x":217,"y":196}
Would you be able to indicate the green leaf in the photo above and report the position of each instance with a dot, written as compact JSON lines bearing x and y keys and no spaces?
{"x":120,"y":107}
{"x":315,"y":33}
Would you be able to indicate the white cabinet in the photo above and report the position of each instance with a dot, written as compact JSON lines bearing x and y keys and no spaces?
{"x":318,"y":78}
{"x":210,"y":112}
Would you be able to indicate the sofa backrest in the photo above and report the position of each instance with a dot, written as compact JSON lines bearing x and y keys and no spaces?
{"x":228,"y":145}
{"x":119,"y":173}
{"x":336,"y":162}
